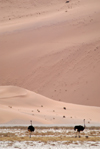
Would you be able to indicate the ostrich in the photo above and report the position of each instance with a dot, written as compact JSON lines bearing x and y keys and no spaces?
{"x":31,"y":128}
{"x":79,"y":128}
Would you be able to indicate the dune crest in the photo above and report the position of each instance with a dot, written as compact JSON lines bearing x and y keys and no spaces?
{"x":10,"y":92}
{"x":42,"y":110}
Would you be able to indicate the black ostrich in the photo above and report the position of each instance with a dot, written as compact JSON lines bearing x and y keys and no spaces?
{"x":79,"y":128}
{"x":31,"y":128}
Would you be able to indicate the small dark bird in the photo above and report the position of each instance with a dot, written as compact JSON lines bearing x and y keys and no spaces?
{"x":79,"y":128}
{"x":31,"y":128}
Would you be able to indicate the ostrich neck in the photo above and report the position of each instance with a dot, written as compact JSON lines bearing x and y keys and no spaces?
{"x":84,"y":123}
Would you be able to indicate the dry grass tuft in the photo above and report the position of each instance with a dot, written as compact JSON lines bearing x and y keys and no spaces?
{"x":46,"y":134}
{"x":46,"y":139}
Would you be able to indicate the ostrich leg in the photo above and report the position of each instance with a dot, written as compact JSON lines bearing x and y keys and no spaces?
{"x":76,"y":135}
{"x":79,"y":134}
{"x":30,"y":134}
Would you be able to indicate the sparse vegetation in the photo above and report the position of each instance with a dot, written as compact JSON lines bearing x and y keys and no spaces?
{"x":38,"y":110}
{"x":49,"y":134}
{"x":67,"y":1}
{"x":10,"y":106}
{"x":44,"y":133}
{"x":64,"y":108}
{"x":46,"y":139}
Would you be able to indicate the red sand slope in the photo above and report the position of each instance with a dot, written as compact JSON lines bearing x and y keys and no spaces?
{"x":52,"y":48}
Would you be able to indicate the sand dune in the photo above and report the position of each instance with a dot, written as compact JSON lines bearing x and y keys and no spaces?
{"x":19,"y":110}
{"x":51,"y":48}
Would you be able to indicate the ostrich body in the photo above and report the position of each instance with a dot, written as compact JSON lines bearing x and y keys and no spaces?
{"x":31,"y":128}
{"x":79,"y":128}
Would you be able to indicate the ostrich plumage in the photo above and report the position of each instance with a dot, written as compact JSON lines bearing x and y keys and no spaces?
{"x":31,"y":128}
{"x":79,"y":128}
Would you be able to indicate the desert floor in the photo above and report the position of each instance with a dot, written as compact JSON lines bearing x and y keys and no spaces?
{"x":49,"y":138}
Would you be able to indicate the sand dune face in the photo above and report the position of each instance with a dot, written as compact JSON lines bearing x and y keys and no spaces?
{"x":18,"y":109}
{"x":52,"y":48}
{"x":17,"y":10}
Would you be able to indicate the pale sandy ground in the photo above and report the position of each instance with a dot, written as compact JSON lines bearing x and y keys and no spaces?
{"x":53,"y":145}
{"x":49,"y":133}
{"x":51,"y":48}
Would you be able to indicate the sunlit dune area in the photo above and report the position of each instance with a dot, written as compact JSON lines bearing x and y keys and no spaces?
{"x":19,"y":106}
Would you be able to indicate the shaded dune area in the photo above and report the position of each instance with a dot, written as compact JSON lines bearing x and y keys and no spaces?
{"x":49,"y":59}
